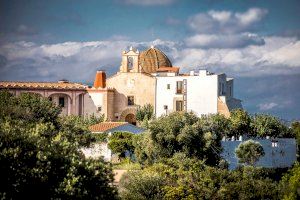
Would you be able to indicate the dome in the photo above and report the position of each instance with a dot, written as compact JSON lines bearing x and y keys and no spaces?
{"x":152,"y":59}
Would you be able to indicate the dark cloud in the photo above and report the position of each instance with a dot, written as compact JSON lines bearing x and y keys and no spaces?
{"x":278,"y":95}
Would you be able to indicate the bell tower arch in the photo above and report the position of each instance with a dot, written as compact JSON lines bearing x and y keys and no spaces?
{"x":130,"y":61}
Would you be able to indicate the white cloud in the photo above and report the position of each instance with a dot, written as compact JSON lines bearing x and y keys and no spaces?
{"x":267,"y":106}
{"x":149,"y":2}
{"x":80,"y":60}
{"x":277,"y":56}
{"x":226,"y":21}
{"x":223,"y":41}
{"x":251,"y":16}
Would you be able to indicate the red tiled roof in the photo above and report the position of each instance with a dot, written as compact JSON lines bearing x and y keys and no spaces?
{"x":168,"y":69}
{"x":42,"y":85}
{"x":105,"y":126}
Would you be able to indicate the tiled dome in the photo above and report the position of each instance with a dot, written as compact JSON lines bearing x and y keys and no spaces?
{"x":152,"y":59}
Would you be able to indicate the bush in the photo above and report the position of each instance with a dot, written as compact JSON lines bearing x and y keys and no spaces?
{"x":40,"y":157}
{"x":142,"y":185}
{"x":249,"y":152}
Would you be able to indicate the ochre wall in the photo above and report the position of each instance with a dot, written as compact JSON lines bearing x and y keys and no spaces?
{"x":139,"y":85}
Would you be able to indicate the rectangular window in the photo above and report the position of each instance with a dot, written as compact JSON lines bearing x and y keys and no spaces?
{"x":130,"y":100}
{"x":179,"y":105}
{"x":223,"y":89}
{"x":61,"y":102}
{"x":165,"y":107}
{"x":99,"y":108}
{"x":168,"y":86}
{"x":179,"y":87}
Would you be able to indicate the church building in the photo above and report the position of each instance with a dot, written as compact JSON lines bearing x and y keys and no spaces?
{"x":146,"y":77}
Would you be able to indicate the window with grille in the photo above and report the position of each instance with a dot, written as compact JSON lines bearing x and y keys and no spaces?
{"x":179,"y":87}
{"x":130,"y":100}
{"x":179,"y":105}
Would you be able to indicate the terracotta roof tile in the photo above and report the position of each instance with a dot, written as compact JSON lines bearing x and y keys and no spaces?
{"x":168,"y":69}
{"x":43,"y":85}
{"x":105,"y":126}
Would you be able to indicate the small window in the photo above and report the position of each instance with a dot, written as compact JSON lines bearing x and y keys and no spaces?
{"x":50,"y":98}
{"x":166,"y":107}
{"x":130,"y":100}
{"x":61,"y":102}
{"x":179,"y":87}
{"x":168,"y":86}
{"x":179,"y":105}
{"x":99,"y":108}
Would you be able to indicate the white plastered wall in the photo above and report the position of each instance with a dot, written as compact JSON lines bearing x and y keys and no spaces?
{"x":202,"y":93}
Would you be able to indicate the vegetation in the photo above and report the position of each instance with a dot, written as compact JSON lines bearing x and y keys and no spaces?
{"x":120,"y":143}
{"x":39,"y":157}
{"x":181,"y":177}
{"x":296,"y":133}
{"x":145,"y":112}
{"x":266,"y":125}
{"x":290,"y":184}
{"x":178,"y":157}
{"x":249,"y":152}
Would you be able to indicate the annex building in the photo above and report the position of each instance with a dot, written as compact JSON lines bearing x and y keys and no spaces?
{"x":146,"y":77}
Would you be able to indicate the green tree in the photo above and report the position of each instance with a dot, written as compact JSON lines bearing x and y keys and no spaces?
{"x":141,"y":185}
{"x":296,"y":133}
{"x":40,"y":157}
{"x":249,"y":152}
{"x":144,"y":113}
{"x":121,"y":142}
{"x":267,"y":125}
{"x":145,"y":150}
{"x":239,"y":123}
{"x":182,"y":132}
{"x":290,"y":183}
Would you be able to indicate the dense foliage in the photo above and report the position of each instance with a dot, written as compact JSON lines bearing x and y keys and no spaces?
{"x":39,"y":156}
{"x":249,"y":152}
{"x":145,"y":112}
{"x":120,"y":143}
{"x":181,"y":177}
{"x":178,"y":132}
{"x":179,"y":156}
{"x":290,"y":184}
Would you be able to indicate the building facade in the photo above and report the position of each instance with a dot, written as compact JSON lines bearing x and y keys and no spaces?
{"x":146,"y":77}
{"x":279,"y":152}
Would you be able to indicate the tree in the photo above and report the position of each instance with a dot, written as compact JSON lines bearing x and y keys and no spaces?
{"x":267,"y":125}
{"x":182,"y":132}
{"x":290,"y":183}
{"x":296,"y":133}
{"x":40,"y":157}
{"x":144,"y":113}
{"x":249,"y":152}
{"x":239,"y":122}
{"x":121,"y":142}
{"x":145,"y":151}
{"x":142,"y":185}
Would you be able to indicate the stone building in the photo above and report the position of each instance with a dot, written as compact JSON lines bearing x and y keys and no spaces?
{"x":146,"y":77}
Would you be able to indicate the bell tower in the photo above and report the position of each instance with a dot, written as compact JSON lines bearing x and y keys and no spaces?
{"x":130,"y":61}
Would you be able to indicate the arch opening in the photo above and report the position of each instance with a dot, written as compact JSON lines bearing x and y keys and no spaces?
{"x":130,"y":118}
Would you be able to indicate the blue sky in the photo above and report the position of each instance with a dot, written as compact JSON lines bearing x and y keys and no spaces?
{"x":256,"y":42}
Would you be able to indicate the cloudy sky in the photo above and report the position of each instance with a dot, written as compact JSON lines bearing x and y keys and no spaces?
{"x":256,"y":42}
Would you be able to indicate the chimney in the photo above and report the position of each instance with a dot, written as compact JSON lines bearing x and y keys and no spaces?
{"x":100,"y":80}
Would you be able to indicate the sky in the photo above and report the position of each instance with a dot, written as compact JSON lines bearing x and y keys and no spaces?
{"x":254,"y":41}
